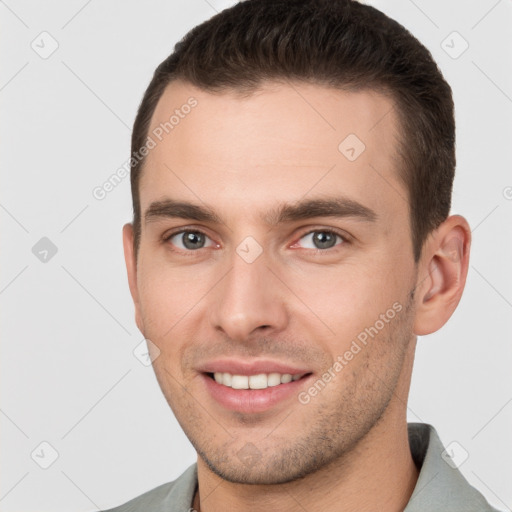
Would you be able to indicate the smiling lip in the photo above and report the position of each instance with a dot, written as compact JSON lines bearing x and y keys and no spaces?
{"x":251,"y":400}
{"x":239,"y":367}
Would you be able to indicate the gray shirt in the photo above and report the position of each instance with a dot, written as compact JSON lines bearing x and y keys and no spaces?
{"x":440,"y":486}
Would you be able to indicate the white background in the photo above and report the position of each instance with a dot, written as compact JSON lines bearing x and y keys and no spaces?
{"x":68,"y":374}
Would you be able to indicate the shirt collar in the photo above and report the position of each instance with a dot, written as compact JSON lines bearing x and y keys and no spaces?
{"x":440,"y":484}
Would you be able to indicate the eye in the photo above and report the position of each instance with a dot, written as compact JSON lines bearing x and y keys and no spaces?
{"x":321,"y":239}
{"x":190,"y":240}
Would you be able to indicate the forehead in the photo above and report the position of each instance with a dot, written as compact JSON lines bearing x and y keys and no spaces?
{"x":279,"y":143}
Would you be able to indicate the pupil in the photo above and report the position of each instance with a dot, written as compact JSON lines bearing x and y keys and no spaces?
{"x":324,"y":240}
{"x":193,"y":240}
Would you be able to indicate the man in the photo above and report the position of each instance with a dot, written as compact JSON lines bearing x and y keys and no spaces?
{"x":291,"y":177}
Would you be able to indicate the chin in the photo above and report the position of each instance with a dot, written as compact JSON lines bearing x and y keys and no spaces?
{"x":278,"y":470}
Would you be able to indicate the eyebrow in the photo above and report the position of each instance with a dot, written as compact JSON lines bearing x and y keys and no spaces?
{"x":169,"y":208}
{"x":285,"y":213}
{"x":322,"y":207}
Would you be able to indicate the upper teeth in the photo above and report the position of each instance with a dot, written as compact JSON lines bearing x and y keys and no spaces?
{"x":260,"y":381}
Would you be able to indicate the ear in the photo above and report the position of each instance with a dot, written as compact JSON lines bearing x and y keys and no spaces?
{"x":131,"y":269}
{"x":442,"y":274}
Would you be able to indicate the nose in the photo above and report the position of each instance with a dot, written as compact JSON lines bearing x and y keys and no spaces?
{"x":250,"y":298}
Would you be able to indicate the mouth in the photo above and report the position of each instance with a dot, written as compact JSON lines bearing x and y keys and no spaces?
{"x":254,"y":388}
{"x":258,"y":381}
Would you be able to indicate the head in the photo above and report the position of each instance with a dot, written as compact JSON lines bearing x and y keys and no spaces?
{"x":294,"y":213}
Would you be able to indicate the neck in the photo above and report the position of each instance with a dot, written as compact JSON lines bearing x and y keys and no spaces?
{"x":377,"y":474}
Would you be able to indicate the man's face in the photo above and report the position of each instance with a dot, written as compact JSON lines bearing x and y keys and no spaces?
{"x":262,"y":287}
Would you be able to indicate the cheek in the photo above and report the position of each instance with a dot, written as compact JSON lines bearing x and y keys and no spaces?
{"x":167,"y":297}
{"x":345,"y":300}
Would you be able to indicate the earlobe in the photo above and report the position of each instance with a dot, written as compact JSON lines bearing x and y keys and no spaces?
{"x":131,"y":270}
{"x":445,"y":264}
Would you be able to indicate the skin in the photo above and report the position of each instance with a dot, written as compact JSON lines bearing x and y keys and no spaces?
{"x":243,"y":157}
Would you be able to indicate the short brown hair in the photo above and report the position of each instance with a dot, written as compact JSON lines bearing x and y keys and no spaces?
{"x":336,"y":43}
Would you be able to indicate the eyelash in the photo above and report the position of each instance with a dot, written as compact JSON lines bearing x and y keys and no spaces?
{"x":344,"y":240}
